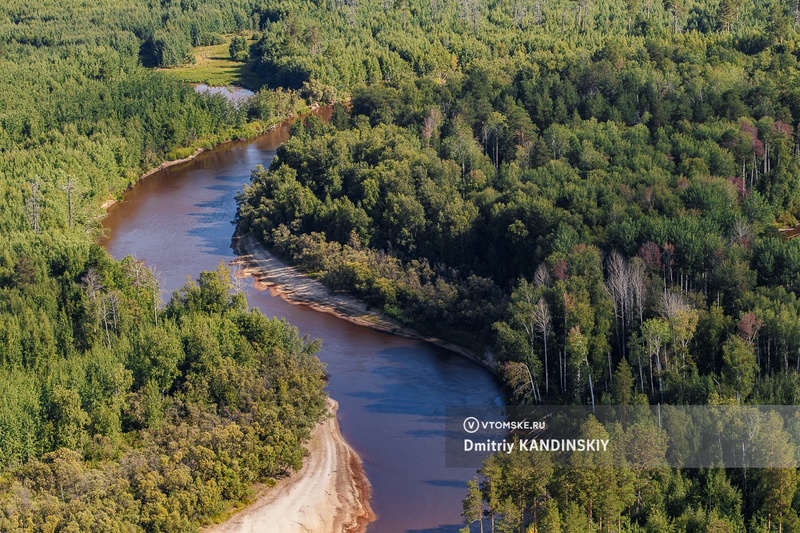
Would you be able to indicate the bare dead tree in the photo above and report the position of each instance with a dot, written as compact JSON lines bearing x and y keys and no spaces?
{"x":93,"y":283}
{"x":741,"y":232}
{"x":154,"y":286}
{"x":796,"y":13}
{"x":470,"y":10}
{"x":114,"y":301}
{"x":537,"y":12}
{"x":34,"y":203}
{"x":147,"y":279}
{"x":542,"y":319}
{"x":519,"y":377}
{"x":581,"y":7}
{"x":237,"y":278}
{"x":638,"y":283}
{"x":618,"y":286}
{"x":671,"y":305}
{"x":103,"y":313}
{"x":520,"y":11}
{"x":541,"y":277}
{"x":429,"y":125}
{"x":137,"y":272}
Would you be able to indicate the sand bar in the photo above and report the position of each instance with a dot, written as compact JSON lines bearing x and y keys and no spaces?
{"x":330,"y":493}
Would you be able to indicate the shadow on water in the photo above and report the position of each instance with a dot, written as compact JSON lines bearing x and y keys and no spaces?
{"x":440,"y":529}
{"x":210,"y":245}
{"x":215,"y":219}
{"x":387,"y":402}
{"x":233,"y":179}
{"x":422,"y":433}
{"x":473,"y":528}
{"x":413,"y":382}
{"x":224,"y":202}
{"x":456,"y":483}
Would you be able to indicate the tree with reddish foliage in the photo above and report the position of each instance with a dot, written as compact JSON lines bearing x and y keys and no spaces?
{"x":751,"y":131}
{"x":650,"y":253}
{"x":561,"y":270}
{"x":749,"y":326}
{"x":755,"y":148}
{"x":780,"y":128}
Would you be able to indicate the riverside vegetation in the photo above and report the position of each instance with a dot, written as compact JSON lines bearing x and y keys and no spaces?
{"x":118,"y":413}
{"x":591,"y":188}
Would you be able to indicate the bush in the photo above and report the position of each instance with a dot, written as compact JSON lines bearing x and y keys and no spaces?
{"x":239,"y":49}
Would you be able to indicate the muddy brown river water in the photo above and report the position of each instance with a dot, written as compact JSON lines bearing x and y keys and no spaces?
{"x":392,"y":391}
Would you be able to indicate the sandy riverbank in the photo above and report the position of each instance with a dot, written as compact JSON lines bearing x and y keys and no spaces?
{"x":284,"y":280}
{"x":330,"y":494}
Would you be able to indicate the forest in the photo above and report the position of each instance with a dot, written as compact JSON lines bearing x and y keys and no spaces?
{"x":592,"y":191}
{"x":120,"y":412}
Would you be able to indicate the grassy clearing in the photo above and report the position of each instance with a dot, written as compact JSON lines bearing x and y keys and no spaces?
{"x":213,"y":66}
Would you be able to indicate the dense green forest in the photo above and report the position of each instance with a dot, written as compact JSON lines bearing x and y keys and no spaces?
{"x":592,"y":191}
{"x":118,"y":416}
{"x":119,"y":412}
{"x":81,"y":118}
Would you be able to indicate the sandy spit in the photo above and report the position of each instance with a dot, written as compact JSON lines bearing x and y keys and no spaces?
{"x":330,"y":494}
{"x":284,"y":280}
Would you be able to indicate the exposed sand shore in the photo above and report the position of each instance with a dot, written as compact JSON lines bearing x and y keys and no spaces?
{"x":330,"y":494}
{"x":284,"y":280}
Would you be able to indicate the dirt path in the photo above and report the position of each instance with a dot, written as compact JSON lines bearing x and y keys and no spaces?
{"x":330,"y":494}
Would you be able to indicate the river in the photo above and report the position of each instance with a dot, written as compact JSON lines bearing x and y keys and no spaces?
{"x":392,"y":391}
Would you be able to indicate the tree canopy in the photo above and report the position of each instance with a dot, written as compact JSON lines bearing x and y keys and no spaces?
{"x":591,"y":191}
